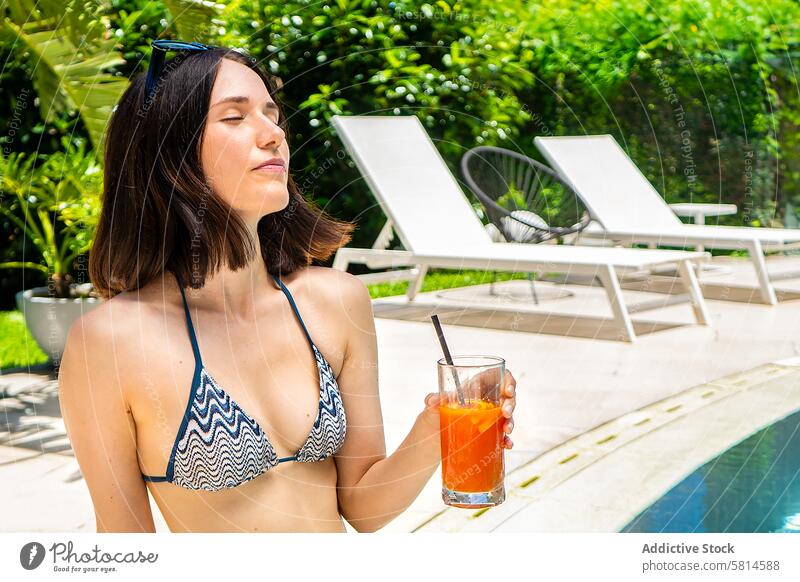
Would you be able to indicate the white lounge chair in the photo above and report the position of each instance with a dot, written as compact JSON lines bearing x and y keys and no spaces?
{"x":630,"y":210}
{"x":438,"y":227}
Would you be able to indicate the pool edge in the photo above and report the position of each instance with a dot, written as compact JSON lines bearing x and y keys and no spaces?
{"x":601,"y":479}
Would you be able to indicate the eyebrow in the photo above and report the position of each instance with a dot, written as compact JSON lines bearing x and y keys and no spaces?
{"x":242,"y":99}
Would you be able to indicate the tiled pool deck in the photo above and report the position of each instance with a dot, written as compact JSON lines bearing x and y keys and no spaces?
{"x":574,"y":393}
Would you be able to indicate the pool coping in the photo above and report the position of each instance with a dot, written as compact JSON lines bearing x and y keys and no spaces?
{"x":600,"y":480}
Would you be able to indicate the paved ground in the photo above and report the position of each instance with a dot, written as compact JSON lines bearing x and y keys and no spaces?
{"x":572,"y":377}
{"x":602,"y":479}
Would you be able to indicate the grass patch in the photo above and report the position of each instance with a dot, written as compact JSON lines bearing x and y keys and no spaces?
{"x":17,"y":346}
{"x":437,"y":280}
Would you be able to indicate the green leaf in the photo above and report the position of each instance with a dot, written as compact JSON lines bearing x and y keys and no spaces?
{"x":25,"y":265}
{"x":67,"y":78}
{"x":192,"y":18}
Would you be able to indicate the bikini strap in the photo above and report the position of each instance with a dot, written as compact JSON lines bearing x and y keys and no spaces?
{"x":198,"y":360}
{"x":294,"y":308}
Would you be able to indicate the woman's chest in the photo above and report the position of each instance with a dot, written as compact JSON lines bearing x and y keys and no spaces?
{"x":271,"y":378}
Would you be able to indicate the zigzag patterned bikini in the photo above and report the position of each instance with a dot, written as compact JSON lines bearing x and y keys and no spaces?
{"x":220,"y":446}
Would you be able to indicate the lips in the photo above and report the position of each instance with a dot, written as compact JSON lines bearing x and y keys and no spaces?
{"x":273,"y":164}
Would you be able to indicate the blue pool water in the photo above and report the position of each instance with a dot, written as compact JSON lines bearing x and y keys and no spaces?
{"x":752,"y":487}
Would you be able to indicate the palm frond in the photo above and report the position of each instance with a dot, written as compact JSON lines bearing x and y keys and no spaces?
{"x":193,"y":18}
{"x":68,"y":77}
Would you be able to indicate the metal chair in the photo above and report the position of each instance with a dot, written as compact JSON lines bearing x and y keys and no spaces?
{"x":524,"y":201}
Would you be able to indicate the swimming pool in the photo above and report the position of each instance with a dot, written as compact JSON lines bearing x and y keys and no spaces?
{"x":752,"y":487}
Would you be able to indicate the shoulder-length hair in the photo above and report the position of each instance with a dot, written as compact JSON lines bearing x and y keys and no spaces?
{"x":159,"y":212}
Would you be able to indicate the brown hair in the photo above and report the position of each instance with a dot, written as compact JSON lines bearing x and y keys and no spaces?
{"x":159,"y":213}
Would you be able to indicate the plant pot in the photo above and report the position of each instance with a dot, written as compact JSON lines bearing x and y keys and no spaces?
{"x":49,"y":318}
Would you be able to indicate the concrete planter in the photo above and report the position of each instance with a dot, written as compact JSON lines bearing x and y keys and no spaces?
{"x":49,"y":319}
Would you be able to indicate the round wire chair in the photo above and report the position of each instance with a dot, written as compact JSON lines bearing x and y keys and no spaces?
{"x":524,"y":201}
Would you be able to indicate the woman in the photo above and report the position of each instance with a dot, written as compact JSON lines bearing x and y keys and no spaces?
{"x":227,"y":375}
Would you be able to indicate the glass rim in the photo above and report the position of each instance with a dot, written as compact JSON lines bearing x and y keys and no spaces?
{"x":492,"y":361}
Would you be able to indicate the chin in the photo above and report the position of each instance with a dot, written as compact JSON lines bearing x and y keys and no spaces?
{"x":274,"y":202}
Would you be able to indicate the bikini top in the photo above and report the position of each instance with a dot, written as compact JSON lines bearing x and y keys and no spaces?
{"x":219,"y":446}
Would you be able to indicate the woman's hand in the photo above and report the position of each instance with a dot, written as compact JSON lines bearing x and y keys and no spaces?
{"x":508,"y":402}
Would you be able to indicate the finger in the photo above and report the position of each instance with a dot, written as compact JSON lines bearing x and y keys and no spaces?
{"x":510,"y":388}
{"x":509,"y":426}
{"x":508,"y":407}
{"x":484,"y":381}
{"x":508,"y":443}
{"x":509,"y":385}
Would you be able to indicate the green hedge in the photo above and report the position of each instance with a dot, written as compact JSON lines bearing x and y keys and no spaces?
{"x":702,"y":94}
{"x":697,"y":91}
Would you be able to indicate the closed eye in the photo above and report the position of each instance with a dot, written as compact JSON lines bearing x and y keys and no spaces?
{"x":275,"y":121}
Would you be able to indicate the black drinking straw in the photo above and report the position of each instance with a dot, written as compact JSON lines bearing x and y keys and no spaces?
{"x":447,"y":358}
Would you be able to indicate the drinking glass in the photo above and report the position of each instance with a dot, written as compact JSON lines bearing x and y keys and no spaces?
{"x":473,"y":464}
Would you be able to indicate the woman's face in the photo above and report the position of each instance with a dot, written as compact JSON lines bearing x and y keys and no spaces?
{"x":244,"y":153}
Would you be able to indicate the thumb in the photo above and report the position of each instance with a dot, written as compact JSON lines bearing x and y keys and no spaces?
{"x":432,"y":400}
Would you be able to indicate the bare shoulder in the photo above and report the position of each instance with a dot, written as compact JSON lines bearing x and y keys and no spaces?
{"x":109,"y":340}
{"x":95,"y":352}
{"x":346,"y":303}
{"x":112,"y":320}
{"x":95,"y":328}
{"x":339,"y":291}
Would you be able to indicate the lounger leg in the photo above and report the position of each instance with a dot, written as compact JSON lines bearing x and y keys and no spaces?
{"x":689,"y":279}
{"x":608,"y":278}
{"x":767,"y":290}
{"x":340,"y":261}
{"x":416,"y":284}
{"x":533,"y":288}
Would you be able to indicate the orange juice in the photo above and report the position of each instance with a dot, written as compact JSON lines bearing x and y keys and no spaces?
{"x":472,"y":446}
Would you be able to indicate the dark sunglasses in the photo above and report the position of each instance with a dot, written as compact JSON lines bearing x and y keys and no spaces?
{"x":158,"y":54}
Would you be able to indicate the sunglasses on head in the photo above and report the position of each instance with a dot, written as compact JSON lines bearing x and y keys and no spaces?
{"x":158,"y":54}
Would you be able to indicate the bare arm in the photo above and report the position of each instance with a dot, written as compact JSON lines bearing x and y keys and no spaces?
{"x":100,"y":425}
{"x":391,"y":484}
{"x":373,"y":489}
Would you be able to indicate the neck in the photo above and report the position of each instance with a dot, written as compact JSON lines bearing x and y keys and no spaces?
{"x":234,"y":293}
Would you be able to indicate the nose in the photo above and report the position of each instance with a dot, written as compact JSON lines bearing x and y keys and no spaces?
{"x":269,"y":135}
